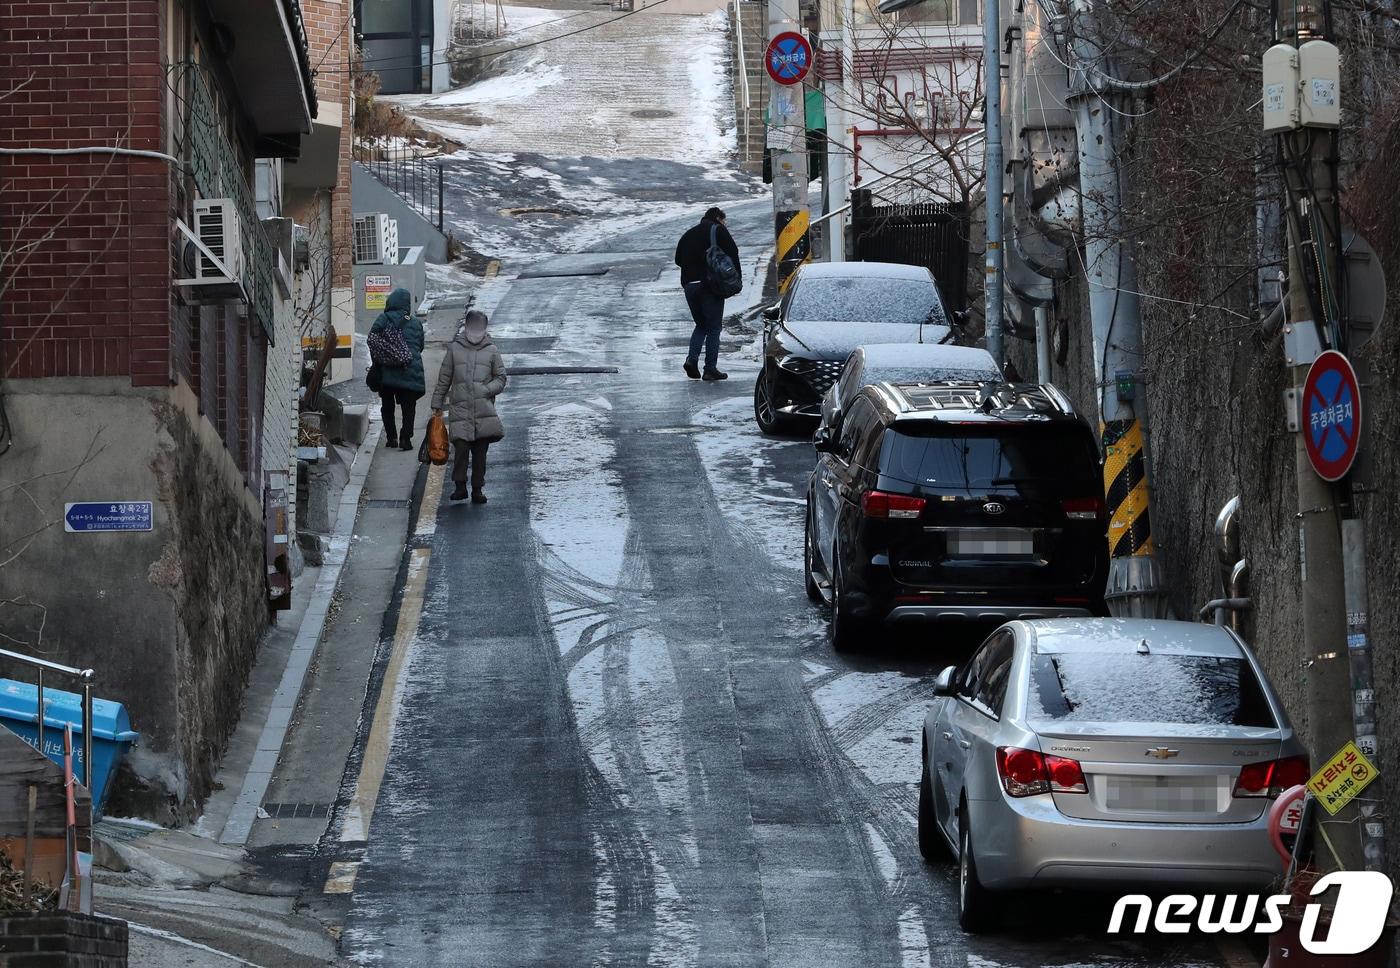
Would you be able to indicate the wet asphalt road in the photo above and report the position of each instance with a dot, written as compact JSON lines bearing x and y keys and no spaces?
{"x":622,"y":737}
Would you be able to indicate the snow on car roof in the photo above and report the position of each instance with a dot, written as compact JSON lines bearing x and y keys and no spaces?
{"x":864,"y":270}
{"x":1126,"y":635}
{"x":911,"y":356}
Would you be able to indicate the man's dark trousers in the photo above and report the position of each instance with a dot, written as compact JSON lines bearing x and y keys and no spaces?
{"x":707,"y":310}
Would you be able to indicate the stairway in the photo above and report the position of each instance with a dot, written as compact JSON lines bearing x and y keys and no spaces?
{"x":750,"y":18}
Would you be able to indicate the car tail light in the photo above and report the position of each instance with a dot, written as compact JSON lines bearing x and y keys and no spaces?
{"x":1082,"y":508}
{"x":1271,"y":778}
{"x":1065,"y":775}
{"x":1025,"y":773}
{"x":878,"y":504}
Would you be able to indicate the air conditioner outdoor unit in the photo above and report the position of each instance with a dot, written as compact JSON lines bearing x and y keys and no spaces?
{"x":376,"y":240}
{"x":213,"y":258}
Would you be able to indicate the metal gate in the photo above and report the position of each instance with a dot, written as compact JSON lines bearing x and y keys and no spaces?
{"x":931,"y":234}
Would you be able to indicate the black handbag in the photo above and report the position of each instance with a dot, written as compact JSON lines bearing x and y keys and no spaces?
{"x":374,"y":379}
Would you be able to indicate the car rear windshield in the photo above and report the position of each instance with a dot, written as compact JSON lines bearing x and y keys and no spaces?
{"x":867,"y":300}
{"x":1060,"y":459}
{"x":1116,"y":687}
{"x":926,"y":374}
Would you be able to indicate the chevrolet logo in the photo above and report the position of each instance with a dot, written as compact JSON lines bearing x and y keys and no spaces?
{"x":1162,"y":753}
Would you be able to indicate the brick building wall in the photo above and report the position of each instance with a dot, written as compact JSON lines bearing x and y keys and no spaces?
{"x":329,"y":35}
{"x":87,"y":235}
{"x":58,"y":939}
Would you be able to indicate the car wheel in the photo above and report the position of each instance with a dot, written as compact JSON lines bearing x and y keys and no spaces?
{"x":974,"y":900}
{"x":931,"y":843}
{"x":765,"y":404}
{"x":846,"y":630}
{"x":809,"y":559}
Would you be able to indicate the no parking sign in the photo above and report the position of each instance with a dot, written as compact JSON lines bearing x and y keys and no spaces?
{"x":1331,"y":415}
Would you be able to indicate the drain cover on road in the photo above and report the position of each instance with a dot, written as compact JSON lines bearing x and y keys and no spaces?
{"x":562,"y":273}
{"x":299,"y":811}
{"x":653,"y":113}
{"x":546,"y":211}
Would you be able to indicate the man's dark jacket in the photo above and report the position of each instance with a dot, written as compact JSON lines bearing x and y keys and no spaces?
{"x":690,"y":251}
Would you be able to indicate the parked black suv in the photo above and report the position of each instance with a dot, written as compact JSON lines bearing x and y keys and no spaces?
{"x":957,"y":501}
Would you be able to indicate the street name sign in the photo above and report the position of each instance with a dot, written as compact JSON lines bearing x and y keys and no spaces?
{"x":108,"y":516}
{"x":789,"y":57}
{"x":1341,"y":778}
{"x":1331,"y":415}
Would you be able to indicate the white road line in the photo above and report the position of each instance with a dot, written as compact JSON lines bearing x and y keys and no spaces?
{"x":360,"y":810}
{"x":180,"y":940}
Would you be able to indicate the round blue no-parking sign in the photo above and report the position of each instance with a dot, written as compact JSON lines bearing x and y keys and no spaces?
{"x":789,"y":57}
{"x":1331,"y":415}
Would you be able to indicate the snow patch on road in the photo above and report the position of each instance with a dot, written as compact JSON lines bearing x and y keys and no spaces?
{"x":752,"y":497}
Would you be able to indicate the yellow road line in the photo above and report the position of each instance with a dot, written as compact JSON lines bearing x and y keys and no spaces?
{"x":492,"y":268}
{"x":360,"y":811}
{"x":341,"y":877}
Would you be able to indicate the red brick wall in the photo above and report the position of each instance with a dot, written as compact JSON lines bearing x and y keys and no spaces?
{"x":329,"y":35}
{"x":88,"y":236}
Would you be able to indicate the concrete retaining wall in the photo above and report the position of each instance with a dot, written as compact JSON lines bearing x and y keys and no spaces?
{"x":369,"y":194}
{"x":170,"y":619}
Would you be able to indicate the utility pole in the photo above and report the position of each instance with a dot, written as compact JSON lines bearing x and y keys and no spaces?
{"x":787,"y":139}
{"x":993,"y":166}
{"x":1307,"y":152}
{"x":1134,"y":575}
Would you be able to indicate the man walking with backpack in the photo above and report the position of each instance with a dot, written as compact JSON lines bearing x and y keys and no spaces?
{"x":709,"y":262}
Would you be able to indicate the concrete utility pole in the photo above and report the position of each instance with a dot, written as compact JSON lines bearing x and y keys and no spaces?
{"x":993,"y":166}
{"x":1306,"y":155}
{"x":1134,"y":576}
{"x":787,"y":138}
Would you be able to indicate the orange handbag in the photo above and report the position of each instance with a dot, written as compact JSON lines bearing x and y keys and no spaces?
{"x":437,"y":439}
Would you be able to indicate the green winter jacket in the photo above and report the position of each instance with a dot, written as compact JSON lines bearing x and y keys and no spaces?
{"x":398,"y":312}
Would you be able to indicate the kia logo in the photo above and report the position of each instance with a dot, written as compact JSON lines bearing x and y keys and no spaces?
{"x":993,"y":507}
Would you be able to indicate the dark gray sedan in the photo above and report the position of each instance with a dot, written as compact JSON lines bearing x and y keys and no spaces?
{"x":1082,"y":752}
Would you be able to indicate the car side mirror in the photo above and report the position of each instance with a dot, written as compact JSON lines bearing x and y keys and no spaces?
{"x":773,"y":313}
{"x":943,"y":685}
{"x":823,"y":440}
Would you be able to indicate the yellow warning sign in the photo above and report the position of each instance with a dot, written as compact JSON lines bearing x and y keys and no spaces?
{"x":377,"y":291}
{"x":1341,"y":778}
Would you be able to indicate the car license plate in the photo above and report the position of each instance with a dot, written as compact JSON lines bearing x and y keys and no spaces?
{"x":1160,"y":794}
{"x":991,"y":543}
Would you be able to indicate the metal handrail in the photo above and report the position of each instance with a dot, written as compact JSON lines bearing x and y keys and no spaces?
{"x":413,"y":178}
{"x":87,"y":676}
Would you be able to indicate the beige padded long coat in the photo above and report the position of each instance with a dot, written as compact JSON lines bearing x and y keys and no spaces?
{"x":471,"y":377}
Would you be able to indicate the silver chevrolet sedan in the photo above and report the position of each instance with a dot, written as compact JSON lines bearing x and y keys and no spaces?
{"x":1079,"y":752}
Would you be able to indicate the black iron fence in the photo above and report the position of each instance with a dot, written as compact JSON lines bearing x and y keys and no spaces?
{"x":406,"y":173}
{"x":932,"y":234}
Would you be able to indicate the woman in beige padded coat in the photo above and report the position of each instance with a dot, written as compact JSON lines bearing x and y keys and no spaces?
{"x":471,"y":377}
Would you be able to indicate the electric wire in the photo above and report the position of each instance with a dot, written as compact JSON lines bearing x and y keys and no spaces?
{"x":517,"y":47}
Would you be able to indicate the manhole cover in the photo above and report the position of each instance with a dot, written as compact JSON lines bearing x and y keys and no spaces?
{"x":653,"y":113}
{"x":544,"y":211}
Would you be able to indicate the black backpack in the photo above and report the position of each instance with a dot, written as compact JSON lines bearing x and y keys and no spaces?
{"x":721,"y":274}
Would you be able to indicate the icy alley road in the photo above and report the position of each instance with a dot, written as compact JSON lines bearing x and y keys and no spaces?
{"x":620,"y":737}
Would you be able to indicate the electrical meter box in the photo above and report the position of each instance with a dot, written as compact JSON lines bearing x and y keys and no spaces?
{"x":1320,"y":91}
{"x":1281,"y":88}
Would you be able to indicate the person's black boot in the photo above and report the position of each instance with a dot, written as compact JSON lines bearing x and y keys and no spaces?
{"x":459,"y":493}
{"x":391,"y":442}
{"x":713,"y":374}
{"x":478,"y":496}
{"x":691,"y":370}
{"x":406,"y":443}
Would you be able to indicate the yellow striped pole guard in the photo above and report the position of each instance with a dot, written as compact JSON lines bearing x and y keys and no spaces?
{"x":794,"y":248}
{"x":1125,"y":489}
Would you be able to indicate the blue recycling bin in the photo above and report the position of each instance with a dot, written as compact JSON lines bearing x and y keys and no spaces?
{"x":112,"y":735}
